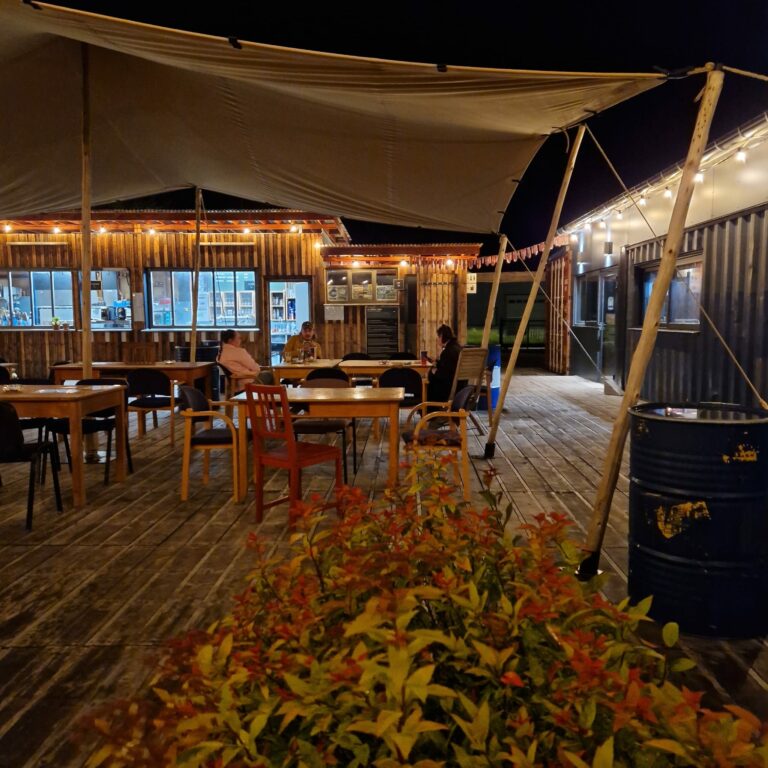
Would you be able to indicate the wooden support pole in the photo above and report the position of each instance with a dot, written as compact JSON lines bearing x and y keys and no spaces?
{"x":490,"y":445}
{"x":85,"y":218}
{"x":645,"y":344}
{"x":494,"y":293}
{"x":195,"y":275}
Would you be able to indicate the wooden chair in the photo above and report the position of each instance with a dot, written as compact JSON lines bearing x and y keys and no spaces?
{"x":452,"y":437}
{"x":327,"y":373}
{"x":14,"y":450}
{"x":197,"y":409}
{"x":471,"y":371}
{"x":271,"y":420}
{"x":153,"y":391}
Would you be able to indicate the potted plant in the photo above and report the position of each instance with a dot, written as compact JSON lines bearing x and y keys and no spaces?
{"x":418,"y":631}
{"x":55,"y":323}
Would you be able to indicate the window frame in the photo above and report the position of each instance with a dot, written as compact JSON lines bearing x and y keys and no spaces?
{"x":6,"y":274}
{"x":173,"y":274}
{"x":642,"y":271}
{"x":578,"y":299}
{"x":96,"y":325}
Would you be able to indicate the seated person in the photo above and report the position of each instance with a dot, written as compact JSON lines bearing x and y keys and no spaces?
{"x":303,"y":345}
{"x":441,"y":375}
{"x":244,"y":369}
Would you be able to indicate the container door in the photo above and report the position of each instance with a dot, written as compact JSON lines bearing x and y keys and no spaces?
{"x":607,"y":323}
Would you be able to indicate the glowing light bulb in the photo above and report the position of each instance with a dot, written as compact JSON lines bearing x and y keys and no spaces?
{"x":699,"y":177}
{"x":602,"y":224}
{"x":102,"y":230}
{"x":619,"y":215}
{"x":642,"y":201}
{"x":403,"y":263}
{"x":574,"y":237}
{"x":294,"y":228}
{"x":449,"y":262}
{"x":355,"y":263}
{"x":741,"y":156}
{"x":246,"y":230}
{"x":56,"y":230}
{"x":587,"y":227}
{"x":8,"y":227}
{"x":667,"y":192}
{"x":151,"y":231}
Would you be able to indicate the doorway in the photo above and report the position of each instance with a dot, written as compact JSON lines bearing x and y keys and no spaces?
{"x":607,"y":323}
{"x":288,"y":307}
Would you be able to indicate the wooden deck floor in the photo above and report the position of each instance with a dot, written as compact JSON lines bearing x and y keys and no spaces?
{"x":88,"y":595}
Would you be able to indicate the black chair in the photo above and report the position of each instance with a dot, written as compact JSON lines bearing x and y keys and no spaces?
{"x":14,"y":450}
{"x":5,"y":376}
{"x":152,"y":391}
{"x":359,"y":381}
{"x":196,"y":409}
{"x":355,"y":356}
{"x":93,"y":423}
{"x":403,"y":356}
{"x":307,"y":425}
{"x":409,"y":379}
{"x":327,"y":373}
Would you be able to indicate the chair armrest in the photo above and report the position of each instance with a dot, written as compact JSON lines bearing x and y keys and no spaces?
{"x":190,"y":414}
{"x":462,"y":414}
{"x":225,"y":403}
{"x":422,"y":407}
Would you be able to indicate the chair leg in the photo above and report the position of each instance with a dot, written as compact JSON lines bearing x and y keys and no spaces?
{"x":109,"y":457}
{"x":128,"y":450}
{"x":56,"y":486}
{"x":344,"y":453}
{"x":141,"y":419}
{"x":338,"y":472}
{"x":68,"y":451}
{"x":185,"y":462}
{"x":354,"y":446}
{"x":206,"y":466}
{"x":154,"y":419}
{"x":173,"y":431}
{"x":46,"y":438}
{"x":465,"y":472}
{"x":235,"y":484}
{"x":31,"y":492}
{"x":294,"y":493}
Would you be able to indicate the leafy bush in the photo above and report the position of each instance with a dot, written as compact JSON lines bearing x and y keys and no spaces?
{"x":414,"y":631}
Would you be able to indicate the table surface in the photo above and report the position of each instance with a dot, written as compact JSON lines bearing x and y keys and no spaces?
{"x":36,"y":392}
{"x":340,"y":394}
{"x":116,"y":365}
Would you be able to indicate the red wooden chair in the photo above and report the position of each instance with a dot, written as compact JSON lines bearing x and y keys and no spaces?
{"x":271,"y":420}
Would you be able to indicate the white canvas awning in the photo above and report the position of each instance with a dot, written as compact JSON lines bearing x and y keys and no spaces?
{"x":383,"y":141}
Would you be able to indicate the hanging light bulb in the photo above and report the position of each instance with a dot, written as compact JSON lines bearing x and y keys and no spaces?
{"x":294,"y":227}
{"x":8,"y":227}
{"x":151,"y":231}
{"x":642,"y":201}
{"x":355,"y":263}
{"x":602,"y":224}
{"x":619,"y":215}
{"x":741,"y":156}
{"x":56,"y":230}
{"x":246,"y":230}
{"x":588,"y":227}
{"x":699,"y":177}
{"x":404,"y":263}
{"x":667,"y":192}
{"x":574,"y":237}
{"x":449,"y":262}
{"x":102,"y":230}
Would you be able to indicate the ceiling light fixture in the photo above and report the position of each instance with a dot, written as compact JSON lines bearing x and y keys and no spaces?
{"x":741,"y":156}
{"x":8,"y":227}
{"x":699,"y":177}
{"x":667,"y":192}
{"x":642,"y":201}
{"x":56,"y":230}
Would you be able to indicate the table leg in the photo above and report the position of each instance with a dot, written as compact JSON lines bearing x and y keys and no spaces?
{"x":207,"y":388}
{"x":394,"y":444}
{"x":120,"y":430}
{"x":76,"y":438}
{"x":242,"y":449}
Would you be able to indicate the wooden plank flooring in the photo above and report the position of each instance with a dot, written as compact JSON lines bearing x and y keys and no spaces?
{"x":89,"y":595}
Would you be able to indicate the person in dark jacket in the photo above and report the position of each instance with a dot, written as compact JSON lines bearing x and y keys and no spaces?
{"x":441,"y":376}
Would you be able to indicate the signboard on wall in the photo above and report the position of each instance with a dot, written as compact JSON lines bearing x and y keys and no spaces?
{"x":471,"y":282}
{"x":333,"y":313}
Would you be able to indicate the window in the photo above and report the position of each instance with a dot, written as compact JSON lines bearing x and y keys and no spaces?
{"x":225,"y":298}
{"x":681,"y":306}
{"x":361,"y":286}
{"x":35,"y":299}
{"x":586,"y":299}
{"x":110,"y":299}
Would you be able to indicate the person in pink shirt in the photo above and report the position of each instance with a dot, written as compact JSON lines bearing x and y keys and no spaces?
{"x":243,"y":368}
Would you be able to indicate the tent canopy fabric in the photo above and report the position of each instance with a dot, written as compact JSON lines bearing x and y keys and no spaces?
{"x":385,"y":141}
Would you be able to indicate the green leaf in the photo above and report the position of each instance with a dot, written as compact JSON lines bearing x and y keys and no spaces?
{"x":668,"y":745}
{"x":682,"y":665}
{"x":670,"y":634}
{"x":642,"y":607}
{"x":205,"y":659}
{"x":364,"y":623}
{"x":604,"y":755}
{"x":575,"y":760}
{"x":588,"y":712}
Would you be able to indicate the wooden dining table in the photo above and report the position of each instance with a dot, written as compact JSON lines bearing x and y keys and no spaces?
{"x":359,"y":368}
{"x":183,"y":373}
{"x":347,"y":403}
{"x":73,"y":403}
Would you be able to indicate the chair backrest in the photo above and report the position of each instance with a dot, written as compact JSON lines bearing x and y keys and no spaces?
{"x":148,"y":381}
{"x":270,"y":415}
{"x":470,"y":369}
{"x":52,"y":370}
{"x":5,"y":376}
{"x":356,"y":356}
{"x":329,"y":383}
{"x":463,"y":399}
{"x":193,"y":399}
{"x":407,"y":355}
{"x":13,"y":438}
{"x":407,"y":378}
{"x":327,"y":373}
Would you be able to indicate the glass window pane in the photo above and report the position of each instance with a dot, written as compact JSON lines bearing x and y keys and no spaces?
{"x":245,"y":293}
{"x":205,"y":304}
{"x":182,"y":299}
{"x":62,"y":297}
{"x":289,"y":308}
{"x":5,"y":299}
{"x":685,"y":292}
{"x":385,"y":286}
{"x":21,"y":299}
{"x":42,"y":296}
{"x":225,"y":299}
{"x":110,"y":299}
{"x":586,"y":299}
{"x":362,"y":286}
{"x":160,"y":293}
{"x":337,"y":289}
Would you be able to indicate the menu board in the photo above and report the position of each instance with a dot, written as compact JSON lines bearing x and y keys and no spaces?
{"x":382,"y":331}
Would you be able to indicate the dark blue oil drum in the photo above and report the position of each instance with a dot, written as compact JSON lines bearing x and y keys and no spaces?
{"x":698,"y":516}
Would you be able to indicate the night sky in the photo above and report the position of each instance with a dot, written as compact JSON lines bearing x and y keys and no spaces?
{"x":642,"y":136}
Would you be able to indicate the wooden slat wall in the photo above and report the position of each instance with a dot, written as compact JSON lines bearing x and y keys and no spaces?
{"x":277,"y":256}
{"x":558,"y":340}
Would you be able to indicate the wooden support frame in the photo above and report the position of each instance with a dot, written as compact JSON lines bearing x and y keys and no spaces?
{"x":490,"y":445}
{"x":85,"y":217}
{"x":645,"y":345}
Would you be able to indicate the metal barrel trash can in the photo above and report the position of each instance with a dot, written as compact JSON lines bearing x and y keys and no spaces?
{"x":494,"y":366}
{"x":698,"y":516}
{"x":207,"y":352}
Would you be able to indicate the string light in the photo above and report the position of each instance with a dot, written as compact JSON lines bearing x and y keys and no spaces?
{"x":404,"y":263}
{"x":294,"y":227}
{"x":642,"y":201}
{"x":619,"y":215}
{"x":56,"y":230}
{"x":151,"y":231}
{"x":449,"y":262}
{"x":246,"y":230}
{"x":355,"y":263}
{"x":602,"y":224}
{"x":667,"y":192}
{"x":587,"y":227}
{"x":574,"y":237}
{"x":102,"y":230}
{"x":741,"y":156}
{"x":699,"y":177}
{"x":8,"y":227}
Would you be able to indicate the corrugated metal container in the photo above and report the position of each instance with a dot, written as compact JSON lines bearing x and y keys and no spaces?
{"x":698,"y":516}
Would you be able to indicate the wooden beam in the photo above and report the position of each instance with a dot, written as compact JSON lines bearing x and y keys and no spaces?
{"x":490,"y":445}
{"x":506,"y":277}
{"x":645,"y":345}
{"x":196,"y":276}
{"x":85,"y":218}
{"x":494,"y":293}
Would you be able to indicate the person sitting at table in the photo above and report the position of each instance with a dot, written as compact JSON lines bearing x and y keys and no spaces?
{"x":441,"y":375}
{"x":303,"y":345}
{"x":239,"y":362}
